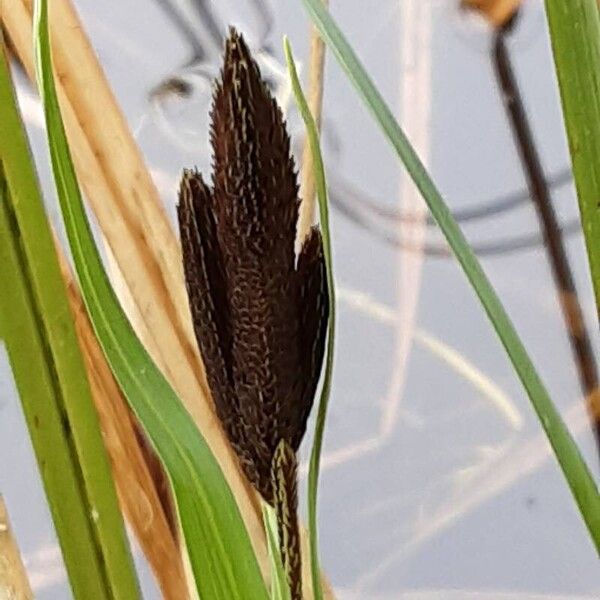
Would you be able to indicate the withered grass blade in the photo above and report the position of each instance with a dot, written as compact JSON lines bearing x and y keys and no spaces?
{"x":13,"y":577}
{"x":316,"y":67}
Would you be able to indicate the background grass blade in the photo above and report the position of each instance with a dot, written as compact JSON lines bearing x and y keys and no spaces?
{"x":220,"y":554}
{"x":572,"y":464}
{"x":38,"y":330}
{"x":575,"y":34}
{"x":321,"y":186}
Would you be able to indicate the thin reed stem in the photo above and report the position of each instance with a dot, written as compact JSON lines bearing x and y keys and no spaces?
{"x":579,"y":338}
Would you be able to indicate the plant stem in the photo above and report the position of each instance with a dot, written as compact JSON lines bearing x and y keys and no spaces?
{"x":561,"y":270}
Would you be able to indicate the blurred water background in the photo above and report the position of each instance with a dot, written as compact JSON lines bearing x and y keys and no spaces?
{"x":437,"y":482}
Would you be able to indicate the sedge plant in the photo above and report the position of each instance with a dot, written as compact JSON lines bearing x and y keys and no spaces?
{"x":264,"y":321}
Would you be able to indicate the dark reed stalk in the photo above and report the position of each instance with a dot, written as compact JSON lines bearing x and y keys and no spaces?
{"x":259,"y":311}
{"x":561,"y":270}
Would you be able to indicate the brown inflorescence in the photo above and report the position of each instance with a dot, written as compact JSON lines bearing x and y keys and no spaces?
{"x":259,"y":310}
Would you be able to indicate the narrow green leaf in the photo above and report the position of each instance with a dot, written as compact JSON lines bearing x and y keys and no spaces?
{"x":575,"y":34}
{"x":321,"y":185}
{"x":279,"y":585}
{"x":46,"y":360}
{"x":220,"y":553}
{"x":572,"y":464}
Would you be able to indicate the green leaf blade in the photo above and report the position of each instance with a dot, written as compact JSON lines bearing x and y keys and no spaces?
{"x":573,"y":466}
{"x":280,"y":589}
{"x":575,"y":34}
{"x":39,"y":333}
{"x":220,"y":553}
{"x":322,"y":196}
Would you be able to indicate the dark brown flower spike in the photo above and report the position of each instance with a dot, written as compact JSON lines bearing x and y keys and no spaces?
{"x":259,"y":311}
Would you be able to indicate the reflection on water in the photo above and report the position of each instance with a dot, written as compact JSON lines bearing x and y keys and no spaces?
{"x":448,"y":488}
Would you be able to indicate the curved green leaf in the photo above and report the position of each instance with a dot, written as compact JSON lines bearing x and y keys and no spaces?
{"x":321,"y":186}
{"x":37,"y":326}
{"x":220,"y":553}
{"x":573,"y":466}
{"x":575,"y":34}
{"x":280,"y":590}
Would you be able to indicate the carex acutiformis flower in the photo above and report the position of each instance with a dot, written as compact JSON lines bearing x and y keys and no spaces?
{"x":259,"y":309}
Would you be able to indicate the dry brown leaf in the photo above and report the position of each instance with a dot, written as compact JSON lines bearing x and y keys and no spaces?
{"x":316,"y":66}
